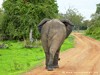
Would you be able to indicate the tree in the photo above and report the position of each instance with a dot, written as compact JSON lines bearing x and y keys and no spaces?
{"x":98,"y":8}
{"x":96,"y":15}
{"x":23,"y":15}
{"x":1,"y":18}
{"x":85,"y":24}
{"x":94,"y":29}
{"x":75,"y":17}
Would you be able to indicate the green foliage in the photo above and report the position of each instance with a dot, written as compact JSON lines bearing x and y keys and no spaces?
{"x":21,"y":15}
{"x":96,"y":15}
{"x":94,"y":29}
{"x":68,"y":43}
{"x":98,"y":8}
{"x":74,"y":16}
{"x":1,"y":17}
{"x":85,"y":24}
{"x":17,"y":59}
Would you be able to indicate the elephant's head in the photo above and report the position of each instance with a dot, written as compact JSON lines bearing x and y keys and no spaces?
{"x":66,"y":22}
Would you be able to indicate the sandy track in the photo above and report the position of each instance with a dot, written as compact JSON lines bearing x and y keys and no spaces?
{"x":84,"y":59}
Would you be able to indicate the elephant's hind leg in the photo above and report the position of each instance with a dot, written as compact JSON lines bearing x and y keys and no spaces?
{"x":46,"y":49}
{"x":56,"y":58}
{"x":51,"y":58}
{"x":54,"y":50}
{"x":54,"y":54}
{"x":47,"y":59}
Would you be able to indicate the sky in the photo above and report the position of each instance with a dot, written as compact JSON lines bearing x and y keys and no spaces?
{"x":85,"y":7}
{"x":1,"y":3}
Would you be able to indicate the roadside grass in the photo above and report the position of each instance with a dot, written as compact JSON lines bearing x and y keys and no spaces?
{"x":17,"y":59}
{"x":68,"y":43}
{"x":92,"y":36}
{"x":84,"y":32}
{"x":96,"y":37}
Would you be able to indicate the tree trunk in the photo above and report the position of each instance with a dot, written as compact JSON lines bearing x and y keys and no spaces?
{"x":30,"y":36}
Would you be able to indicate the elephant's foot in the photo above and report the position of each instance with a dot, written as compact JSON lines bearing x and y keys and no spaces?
{"x":50,"y":68}
{"x":55,"y":66}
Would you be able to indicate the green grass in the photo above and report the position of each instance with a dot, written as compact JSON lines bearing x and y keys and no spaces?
{"x":68,"y":43}
{"x":92,"y":36}
{"x":17,"y":59}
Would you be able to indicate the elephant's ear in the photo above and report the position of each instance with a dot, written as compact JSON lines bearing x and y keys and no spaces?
{"x":66,"y":22}
{"x":42,"y":23}
{"x":69,"y":26}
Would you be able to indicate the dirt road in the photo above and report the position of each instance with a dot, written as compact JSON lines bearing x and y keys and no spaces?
{"x":84,"y":59}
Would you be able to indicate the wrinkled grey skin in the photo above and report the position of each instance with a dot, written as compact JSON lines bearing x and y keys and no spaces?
{"x":53,"y":33}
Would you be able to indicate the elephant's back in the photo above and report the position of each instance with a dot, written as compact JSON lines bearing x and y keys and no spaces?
{"x":54,"y":24}
{"x":53,"y":27}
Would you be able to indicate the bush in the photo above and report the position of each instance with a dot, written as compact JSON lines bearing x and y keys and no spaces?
{"x":94,"y":30}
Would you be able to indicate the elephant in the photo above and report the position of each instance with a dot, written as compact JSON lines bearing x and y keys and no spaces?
{"x":53,"y":33}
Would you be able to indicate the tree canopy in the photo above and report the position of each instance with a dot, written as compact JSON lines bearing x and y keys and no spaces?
{"x":1,"y":17}
{"x":21,"y":15}
{"x":74,"y":16}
